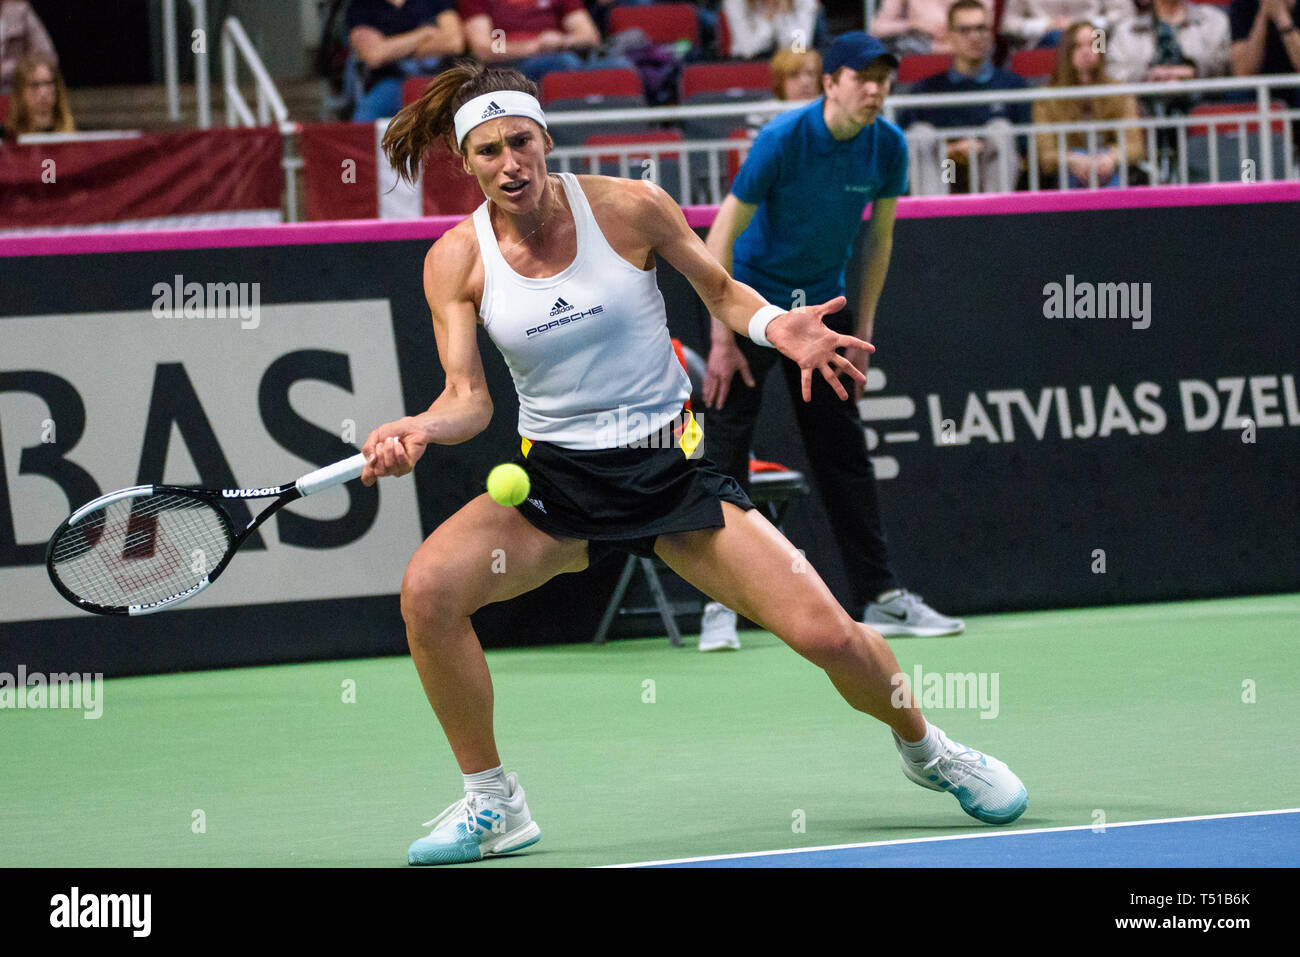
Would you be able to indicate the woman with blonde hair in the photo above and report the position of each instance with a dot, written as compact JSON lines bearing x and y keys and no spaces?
{"x":796,"y":76}
{"x":560,"y":272}
{"x":40,"y":100}
{"x":1081,"y":61}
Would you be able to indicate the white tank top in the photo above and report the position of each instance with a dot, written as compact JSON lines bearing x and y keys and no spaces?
{"x":588,"y":348}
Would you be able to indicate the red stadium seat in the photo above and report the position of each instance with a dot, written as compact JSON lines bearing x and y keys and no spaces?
{"x":1230,"y":109}
{"x":723,"y":77}
{"x":1033,"y":63}
{"x":918,"y":67}
{"x":593,"y":86}
{"x":724,"y":34}
{"x":582,"y":90}
{"x":662,"y":22}
{"x":4,"y":108}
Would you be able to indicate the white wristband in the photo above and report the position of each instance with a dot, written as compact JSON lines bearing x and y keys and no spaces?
{"x":758,"y":324}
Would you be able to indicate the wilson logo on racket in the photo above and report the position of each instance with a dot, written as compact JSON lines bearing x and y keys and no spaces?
{"x":248,"y":492}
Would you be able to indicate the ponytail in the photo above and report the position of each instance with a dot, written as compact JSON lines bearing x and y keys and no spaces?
{"x":431,"y":119}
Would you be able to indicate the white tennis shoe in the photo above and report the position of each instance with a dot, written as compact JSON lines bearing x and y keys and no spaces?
{"x":985,"y":787}
{"x":718,"y":628}
{"x":477,"y":825}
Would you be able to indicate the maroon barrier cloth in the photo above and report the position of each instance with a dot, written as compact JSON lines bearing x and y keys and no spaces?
{"x":163,"y":174}
{"x":334,"y":189}
{"x":337,"y":191}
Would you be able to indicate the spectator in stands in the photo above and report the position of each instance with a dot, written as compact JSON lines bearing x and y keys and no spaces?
{"x":21,"y":35}
{"x":1265,"y":41}
{"x":396,"y":40}
{"x":535,"y":37}
{"x":761,"y":27}
{"x":1038,"y":23}
{"x":995,"y":154}
{"x":915,"y":26}
{"x":796,"y":76}
{"x":1173,"y":40}
{"x":40,"y":100}
{"x":1082,"y":62}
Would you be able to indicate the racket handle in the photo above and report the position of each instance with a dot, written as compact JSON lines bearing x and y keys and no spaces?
{"x":331,"y":475}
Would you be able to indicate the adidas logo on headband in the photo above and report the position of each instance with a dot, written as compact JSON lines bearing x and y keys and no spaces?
{"x":490,"y":106}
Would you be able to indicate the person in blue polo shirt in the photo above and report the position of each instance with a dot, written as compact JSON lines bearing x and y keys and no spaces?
{"x":786,"y":229}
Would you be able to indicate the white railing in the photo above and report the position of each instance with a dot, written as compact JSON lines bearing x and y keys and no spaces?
{"x":270,"y":105}
{"x":235,"y":40}
{"x":1262,"y":86}
{"x":702,"y":183}
{"x":199,"y":44}
{"x":697,"y":156}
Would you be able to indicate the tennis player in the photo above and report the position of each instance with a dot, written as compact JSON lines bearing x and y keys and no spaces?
{"x":547,"y":248}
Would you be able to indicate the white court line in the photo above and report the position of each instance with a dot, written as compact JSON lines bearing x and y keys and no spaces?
{"x":1119,"y":613}
{"x":956,"y":837}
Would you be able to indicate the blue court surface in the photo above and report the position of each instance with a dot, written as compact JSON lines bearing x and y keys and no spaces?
{"x":1252,"y":839}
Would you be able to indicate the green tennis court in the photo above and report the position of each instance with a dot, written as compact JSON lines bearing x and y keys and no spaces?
{"x":636,"y":751}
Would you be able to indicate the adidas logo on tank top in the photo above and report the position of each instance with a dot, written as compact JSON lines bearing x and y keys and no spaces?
{"x":586,"y":346}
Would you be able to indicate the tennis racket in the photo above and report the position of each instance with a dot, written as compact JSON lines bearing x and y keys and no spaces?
{"x":146,"y":548}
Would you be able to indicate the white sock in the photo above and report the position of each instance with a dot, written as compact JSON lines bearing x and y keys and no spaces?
{"x":923,"y":750}
{"x":492,"y":781}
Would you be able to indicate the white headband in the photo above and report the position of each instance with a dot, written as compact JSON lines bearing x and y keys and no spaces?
{"x":491,"y":105}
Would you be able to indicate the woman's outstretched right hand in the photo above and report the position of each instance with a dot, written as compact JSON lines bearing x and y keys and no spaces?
{"x":393,"y":449}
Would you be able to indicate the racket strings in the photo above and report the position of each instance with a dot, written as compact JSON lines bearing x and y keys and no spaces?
{"x":140,"y":550}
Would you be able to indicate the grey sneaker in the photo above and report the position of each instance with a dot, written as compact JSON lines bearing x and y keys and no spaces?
{"x":899,"y":612}
{"x":718,"y":628}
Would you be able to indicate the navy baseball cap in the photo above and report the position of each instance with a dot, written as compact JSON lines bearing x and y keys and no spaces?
{"x":855,"y":50}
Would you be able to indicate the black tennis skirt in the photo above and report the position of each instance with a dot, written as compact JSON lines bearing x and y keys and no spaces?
{"x":622,"y":499}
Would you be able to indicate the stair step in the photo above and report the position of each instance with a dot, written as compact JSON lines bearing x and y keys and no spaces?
{"x":145,"y":107}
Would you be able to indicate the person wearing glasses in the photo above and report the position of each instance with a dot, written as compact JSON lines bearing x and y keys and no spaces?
{"x":915,"y":26}
{"x":942,"y":165}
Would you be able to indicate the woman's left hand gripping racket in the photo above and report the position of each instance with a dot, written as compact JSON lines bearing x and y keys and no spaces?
{"x":142,"y":549}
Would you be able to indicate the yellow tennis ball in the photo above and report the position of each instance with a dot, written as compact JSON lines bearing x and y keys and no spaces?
{"x":508,"y":484}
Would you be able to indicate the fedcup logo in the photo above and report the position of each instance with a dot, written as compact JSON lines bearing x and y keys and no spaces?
{"x":214,"y":300}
